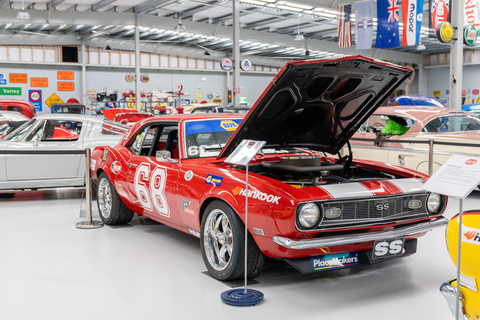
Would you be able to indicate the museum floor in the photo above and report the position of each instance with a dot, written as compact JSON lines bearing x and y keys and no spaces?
{"x":51,"y":270}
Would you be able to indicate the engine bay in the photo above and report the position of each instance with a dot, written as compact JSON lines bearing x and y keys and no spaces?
{"x":315,"y":170}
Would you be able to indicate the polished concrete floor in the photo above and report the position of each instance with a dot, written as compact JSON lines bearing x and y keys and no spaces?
{"x":51,"y":270}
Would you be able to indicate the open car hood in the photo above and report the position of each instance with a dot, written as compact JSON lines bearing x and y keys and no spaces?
{"x":318,"y":104}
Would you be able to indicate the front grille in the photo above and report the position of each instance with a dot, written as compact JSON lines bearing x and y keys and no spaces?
{"x":371,"y":211}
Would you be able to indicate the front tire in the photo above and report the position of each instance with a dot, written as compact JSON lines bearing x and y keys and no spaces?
{"x":222,"y":241}
{"x":111,"y":208}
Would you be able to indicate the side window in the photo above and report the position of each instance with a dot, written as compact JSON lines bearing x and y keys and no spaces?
{"x":155,"y":137}
{"x":57,"y":130}
{"x":436,"y":125}
{"x":18,"y":109}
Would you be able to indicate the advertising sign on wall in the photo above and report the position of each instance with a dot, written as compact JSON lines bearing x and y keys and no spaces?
{"x":39,"y":82}
{"x":439,"y":12}
{"x":66,"y":86}
{"x":35,"y":97}
{"x":11,"y":91}
{"x":18,"y":78}
{"x":65,"y":75}
{"x":3,"y":80}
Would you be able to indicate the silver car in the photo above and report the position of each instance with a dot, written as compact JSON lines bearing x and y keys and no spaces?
{"x":49,"y":151}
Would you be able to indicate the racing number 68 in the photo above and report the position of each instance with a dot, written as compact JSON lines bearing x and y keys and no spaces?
{"x":157,"y":184}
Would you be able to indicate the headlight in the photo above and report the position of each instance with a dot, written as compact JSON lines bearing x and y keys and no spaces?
{"x":434,"y":201}
{"x":309,"y":215}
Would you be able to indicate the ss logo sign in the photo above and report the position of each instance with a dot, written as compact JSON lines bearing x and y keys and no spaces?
{"x":387,"y":248}
{"x":382,"y":206}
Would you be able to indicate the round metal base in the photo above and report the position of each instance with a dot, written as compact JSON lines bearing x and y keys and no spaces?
{"x":89,"y":225}
{"x":238,"y":297}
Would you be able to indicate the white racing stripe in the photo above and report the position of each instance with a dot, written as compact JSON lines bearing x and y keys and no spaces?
{"x":408,"y":185}
{"x":347,"y":190}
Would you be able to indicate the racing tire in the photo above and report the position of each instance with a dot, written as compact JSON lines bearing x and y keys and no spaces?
{"x":111,"y":209}
{"x":222,"y":242}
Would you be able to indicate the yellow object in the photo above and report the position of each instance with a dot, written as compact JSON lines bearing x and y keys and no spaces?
{"x":470,"y":259}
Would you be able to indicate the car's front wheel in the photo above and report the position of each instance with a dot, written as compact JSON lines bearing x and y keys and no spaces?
{"x":111,"y":208}
{"x":222,"y":240}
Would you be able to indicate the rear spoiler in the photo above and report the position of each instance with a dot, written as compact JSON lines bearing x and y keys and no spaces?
{"x":114,"y":127}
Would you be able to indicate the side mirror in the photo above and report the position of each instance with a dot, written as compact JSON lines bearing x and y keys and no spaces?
{"x":164,"y":156}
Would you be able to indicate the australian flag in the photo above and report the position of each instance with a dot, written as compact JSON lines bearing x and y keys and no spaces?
{"x":388,"y":12}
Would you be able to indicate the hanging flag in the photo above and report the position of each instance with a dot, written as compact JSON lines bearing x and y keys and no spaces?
{"x":472,"y":13}
{"x":364,"y":25}
{"x":387,"y":28}
{"x":344,"y":25}
{"x":439,"y":12}
{"x":412,"y":16}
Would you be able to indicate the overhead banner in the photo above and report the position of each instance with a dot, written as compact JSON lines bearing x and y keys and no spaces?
{"x":412,"y":16}
{"x":471,"y":13}
{"x":364,"y":25}
{"x":439,"y":12}
{"x":344,"y":13}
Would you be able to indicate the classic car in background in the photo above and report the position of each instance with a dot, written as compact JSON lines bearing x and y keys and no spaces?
{"x":24,"y":107}
{"x":423,"y":124}
{"x":314,"y":212}
{"x":75,"y":108}
{"x":415,"y":100}
{"x":222,"y":109}
{"x":48,"y":151}
{"x":470,"y":273}
{"x":473,"y":108}
{"x":9,"y":126}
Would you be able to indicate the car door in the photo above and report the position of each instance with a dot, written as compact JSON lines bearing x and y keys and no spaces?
{"x":153,"y":184}
{"x":52,"y":151}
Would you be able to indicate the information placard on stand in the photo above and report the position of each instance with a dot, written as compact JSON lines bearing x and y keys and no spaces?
{"x":242,"y":155}
{"x":456,"y":178}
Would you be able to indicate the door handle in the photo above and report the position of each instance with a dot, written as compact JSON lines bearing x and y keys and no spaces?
{"x":132,"y":165}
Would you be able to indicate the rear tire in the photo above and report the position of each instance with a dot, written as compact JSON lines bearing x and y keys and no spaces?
{"x":110,"y":207}
{"x":222,"y":240}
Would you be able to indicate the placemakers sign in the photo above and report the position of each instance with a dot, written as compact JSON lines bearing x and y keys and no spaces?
{"x":469,"y":34}
{"x":11,"y":91}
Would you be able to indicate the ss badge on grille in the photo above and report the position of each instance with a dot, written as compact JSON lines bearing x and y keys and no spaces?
{"x":381,"y":206}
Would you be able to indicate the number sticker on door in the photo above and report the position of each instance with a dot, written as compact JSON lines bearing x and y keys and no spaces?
{"x":150,"y":189}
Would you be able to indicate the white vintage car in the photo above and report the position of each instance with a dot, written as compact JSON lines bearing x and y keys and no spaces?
{"x":49,"y":151}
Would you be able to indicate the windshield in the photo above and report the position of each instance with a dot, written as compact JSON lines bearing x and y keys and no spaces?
{"x":206,"y":138}
{"x":16,"y":134}
{"x":458,"y":123}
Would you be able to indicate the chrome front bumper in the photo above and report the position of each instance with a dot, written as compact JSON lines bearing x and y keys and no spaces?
{"x":449,"y":292}
{"x":358,"y":238}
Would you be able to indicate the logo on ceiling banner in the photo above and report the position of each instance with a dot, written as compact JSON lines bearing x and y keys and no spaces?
{"x":387,"y":28}
{"x":412,"y":16}
{"x":439,"y":12}
{"x":364,"y":25}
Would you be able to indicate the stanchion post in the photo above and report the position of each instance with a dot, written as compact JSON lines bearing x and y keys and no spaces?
{"x":89,"y":224}
{"x":459,"y":259}
{"x":430,"y":157}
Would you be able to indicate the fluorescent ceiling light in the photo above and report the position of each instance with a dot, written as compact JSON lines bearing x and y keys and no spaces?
{"x":180,"y":27}
{"x":24,"y":15}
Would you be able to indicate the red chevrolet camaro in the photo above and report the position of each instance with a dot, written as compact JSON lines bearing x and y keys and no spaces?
{"x":315,"y":212}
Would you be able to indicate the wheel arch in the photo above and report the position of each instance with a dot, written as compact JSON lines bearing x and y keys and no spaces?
{"x":231,"y":203}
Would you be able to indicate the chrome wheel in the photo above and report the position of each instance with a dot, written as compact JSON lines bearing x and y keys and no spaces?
{"x":104,"y":198}
{"x":218,"y":240}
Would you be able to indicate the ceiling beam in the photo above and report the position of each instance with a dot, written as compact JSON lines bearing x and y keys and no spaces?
{"x":102,"y":4}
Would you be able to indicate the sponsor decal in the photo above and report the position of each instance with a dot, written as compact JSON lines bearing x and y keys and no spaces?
{"x":471,"y":162}
{"x":214,"y":180}
{"x":186,"y":206}
{"x":335,"y":261}
{"x":116,"y":167}
{"x":92,"y":164}
{"x":228,"y":125}
{"x":471,"y":235}
{"x":188,"y":175}
{"x":325,"y":249}
{"x":105,"y":155}
{"x":255,"y":194}
{"x":120,"y":189}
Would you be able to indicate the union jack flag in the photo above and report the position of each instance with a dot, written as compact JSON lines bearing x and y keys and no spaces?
{"x":344,"y":13}
{"x":393,"y":10}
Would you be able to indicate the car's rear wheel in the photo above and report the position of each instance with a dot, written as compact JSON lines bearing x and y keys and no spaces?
{"x":222,"y":240}
{"x":111,"y":208}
